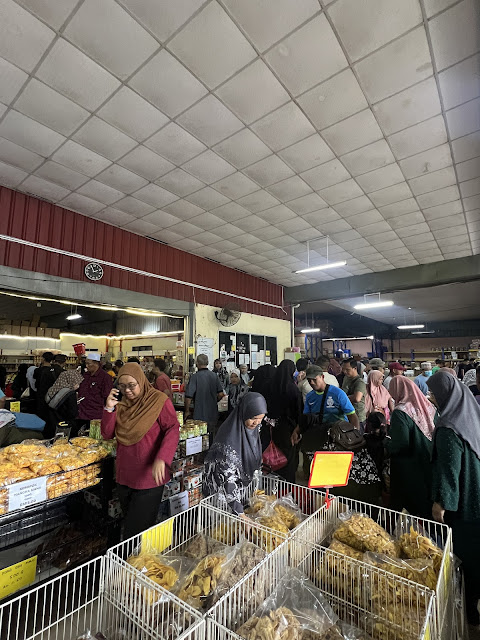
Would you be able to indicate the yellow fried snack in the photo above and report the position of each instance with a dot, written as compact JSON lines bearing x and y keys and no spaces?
{"x":265,"y":539}
{"x":62,"y":447}
{"x":70,"y":462}
{"x":420,"y":570}
{"x":16,"y":475}
{"x":224,"y":533}
{"x":45,"y":467}
{"x":280,"y":624}
{"x":19,"y":460}
{"x":363,"y":534}
{"x":259,"y":500}
{"x":414,"y":545}
{"x":202,"y":581}
{"x":84,"y":442}
{"x":152,"y":568}
{"x":287,"y":516}
{"x":340,"y":547}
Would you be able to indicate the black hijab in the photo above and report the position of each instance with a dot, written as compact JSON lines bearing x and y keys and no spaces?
{"x":285,"y":394}
{"x":262,"y":380}
{"x":234,"y":434}
{"x":458,"y":408}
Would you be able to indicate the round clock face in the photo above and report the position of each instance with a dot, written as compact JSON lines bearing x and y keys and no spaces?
{"x":94,"y":271}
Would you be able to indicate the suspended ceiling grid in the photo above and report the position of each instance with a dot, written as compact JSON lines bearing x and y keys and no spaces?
{"x":238,"y":129}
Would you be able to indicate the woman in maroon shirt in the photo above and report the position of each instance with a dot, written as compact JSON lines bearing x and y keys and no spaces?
{"x":162,"y":381}
{"x":147,"y":431}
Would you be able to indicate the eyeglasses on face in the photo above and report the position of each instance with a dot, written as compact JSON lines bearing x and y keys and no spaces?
{"x":130,"y":387}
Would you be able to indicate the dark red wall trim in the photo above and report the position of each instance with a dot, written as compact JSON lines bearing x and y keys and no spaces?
{"x":34,"y":220}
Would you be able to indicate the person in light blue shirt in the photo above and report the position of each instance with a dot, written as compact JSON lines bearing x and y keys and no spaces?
{"x":2,"y":399}
{"x":421,"y":380}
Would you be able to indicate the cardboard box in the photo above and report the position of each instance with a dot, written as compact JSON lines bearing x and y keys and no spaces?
{"x":56,"y":334}
{"x":16,"y":330}
{"x":40,"y":332}
{"x":24,"y":330}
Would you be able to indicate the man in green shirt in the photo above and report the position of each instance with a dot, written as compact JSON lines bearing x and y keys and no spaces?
{"x":355,"y":388}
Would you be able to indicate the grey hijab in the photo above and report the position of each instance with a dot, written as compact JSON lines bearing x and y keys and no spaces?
{"x":233,"y":433}
{"x":458,"y":408}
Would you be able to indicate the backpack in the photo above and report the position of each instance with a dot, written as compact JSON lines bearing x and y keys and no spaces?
{"x":345,"y":437}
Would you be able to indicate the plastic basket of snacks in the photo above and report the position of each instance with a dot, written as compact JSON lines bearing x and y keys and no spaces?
{"x":294,"y":604}
{"x":195,"y":557}
{"x":398,"y":545}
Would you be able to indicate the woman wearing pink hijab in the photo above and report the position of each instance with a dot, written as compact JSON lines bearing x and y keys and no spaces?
{"x":377,"y":397}
{"x":410,"y":447}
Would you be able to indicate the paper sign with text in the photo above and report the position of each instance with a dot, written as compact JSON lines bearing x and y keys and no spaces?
{"x":24,"y":494}
{"x":178,"y":503}
{"x":158,"y":538}
{"x":18,"y":576}
{"x":193,"y":445}
{"x":15,"y":407}
{"x":330,"y":469}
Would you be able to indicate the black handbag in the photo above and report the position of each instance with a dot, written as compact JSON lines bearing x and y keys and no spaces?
{"x":345,"y":437}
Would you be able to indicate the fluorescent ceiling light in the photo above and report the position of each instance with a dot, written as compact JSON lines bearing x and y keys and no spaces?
{"x":149,"y":333}
{"x":310,"y":330}
{"x":348,"y":339}
{"x":74,"y":316}
{"x":373,"y":305}
{"x":417,"y":333}
{"x":411,"y":326}
{"x":327,"y":265}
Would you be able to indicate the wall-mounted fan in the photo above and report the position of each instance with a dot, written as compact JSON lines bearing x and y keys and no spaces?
{"x":228,"y":317}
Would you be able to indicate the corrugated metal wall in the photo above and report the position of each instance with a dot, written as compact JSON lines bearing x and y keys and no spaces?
{"x":40,"y":222}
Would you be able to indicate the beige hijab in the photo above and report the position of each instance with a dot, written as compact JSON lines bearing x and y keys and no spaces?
{"x":136,"y":417}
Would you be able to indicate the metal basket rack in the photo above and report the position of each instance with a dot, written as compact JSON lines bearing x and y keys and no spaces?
{"x":79,"y":601}
{"x":404,"y":610}
{"x":323,"y":523}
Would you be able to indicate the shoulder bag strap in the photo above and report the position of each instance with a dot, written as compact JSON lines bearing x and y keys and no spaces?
{"x":322,"y":408}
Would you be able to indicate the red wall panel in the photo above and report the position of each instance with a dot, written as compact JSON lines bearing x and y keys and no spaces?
{"x":39,"y":222}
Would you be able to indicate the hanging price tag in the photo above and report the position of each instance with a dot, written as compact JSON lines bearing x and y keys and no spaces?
{"x":18,"y":576}
{"x":178,"y":503}
{"x":191,"y":351}
{"x":24,"y":494}
{"x":330,"y":469}
{"x":158,"y":538}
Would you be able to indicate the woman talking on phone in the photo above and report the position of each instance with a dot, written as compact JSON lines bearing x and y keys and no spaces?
{"x":146,"y":427}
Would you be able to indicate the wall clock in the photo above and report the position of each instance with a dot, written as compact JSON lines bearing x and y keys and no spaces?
{"x":94,"y":271}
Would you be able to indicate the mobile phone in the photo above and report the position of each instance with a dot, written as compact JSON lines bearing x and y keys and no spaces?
{"x":119,"y":394}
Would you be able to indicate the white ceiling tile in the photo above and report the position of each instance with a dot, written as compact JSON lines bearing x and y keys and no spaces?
{"x":147,"y":164}
{"x":277,"y":214}
{"x":289,"y":189}
{"x":76,"y":76}
{"x":162,"y":219}
{"x":472,"y":203}
{"x":468,"y":170}
{"x":340,"y":192}
{"x":384,"y":238}
{"x":207,"y":198}
{"x":294,"y":225}
{"x":256,"y":80}
{"x":449,"y":222}
{"x":367,"y":25}
{"x":307,"y":204}
{"x":251,"y":224}
{"x":134,"y":206}
{"x":368,"y":158}
{"x":44,"y":188}
{"x":110,"y":36}
{"x":281,"y":241}
{"x":333,"y":100}
{"x":472,"y":217}
{"x":115,"y":217}
{"x":433,"y":180}
{"x":407,"y":220}
{"x":61,"y":175}
{"x":464,"y":119}
{"x":395,"y":67}
{"x":268,"y":171}
{"x":18,"y":156}
{"x":167,"y":84}
{"x":208,"y":167}
{"x":180,"y":182}
{"x":431,"y":160}
{"x":466,"y":147}
{"x":104,"y":139}
{"x":236,"y":186}
{"x":207,"y":221}
{"x":258,"y":201}
{"x":244,"y":240}
{"x":141,"y":227}
{"x":183,"y":209}
{"x":50,"y":108}
{"x":162,"y":17}
{"x":133,"y":115}
{"x":212,"y":46}
{"x":352,"y":207}
{"x":408,"y":107}
{"x":210,"y":121}
{"x":443,"y":210}
{"x":454,"y":33}
{"x":242,"y":149}
{"x":307,"y":153}
{"x":175,"y":144}
{"x":396,"y":193}
{"x":122,"y":179}
{"x":420,"y":137}
{"x":460,"y":230}
{"x":338,"y":226}
{"x":227,"y":231}
{"x":82,"y":204}
{"x":101,"y":192}
{"x":399,"y":208}
{"x":448,"y":194}
{"x":461,"y":82}
{"x":268,"y":21}
{"x":353,"y":133}
{"x":292,"y":58}
{"x":155,"y":196}
{"x":326,"y":175}
{"x":230,"y":212}
{"x":50,"y":11}
{"x":316,"y":218}
{"x":283,"y":127}
{"x":380,"y":178}
{"x":30,"y":134}
{"x":23,"y":38}
{"x":11,"y":81}
{"x":188,"y":244}
{"x":435,"y":6}
{"x":80,"y":159}
{"x":470,"y":188}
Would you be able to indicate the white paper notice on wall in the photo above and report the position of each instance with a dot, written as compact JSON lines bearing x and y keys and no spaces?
{"x":178,"y":503}
{"x":247,"y":358}
{"x":24,"y":494}
{"x":193,"y":445}
{"x":254,"y":347}
{"x":205,"y":347}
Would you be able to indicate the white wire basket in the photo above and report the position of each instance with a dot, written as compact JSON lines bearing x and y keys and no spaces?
{"x":73,"y":604}
{"x":401,"y":610}
{"x":323,"y":523}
